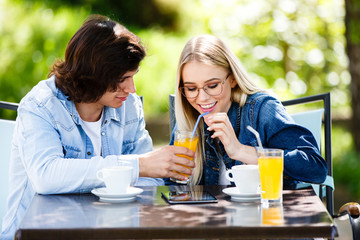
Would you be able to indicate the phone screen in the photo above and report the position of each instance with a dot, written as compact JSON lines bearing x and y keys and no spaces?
{"x":174,"y":197}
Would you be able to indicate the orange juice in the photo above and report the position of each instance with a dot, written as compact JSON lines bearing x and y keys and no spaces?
{"x":271,"y":165}
{"x":189,"y":143}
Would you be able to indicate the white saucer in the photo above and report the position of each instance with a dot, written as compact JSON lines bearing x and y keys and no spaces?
{"x":234,"y":192}
{"x":102,"y":193}
{"x":247,"y":199}
{"x":117,"y":200}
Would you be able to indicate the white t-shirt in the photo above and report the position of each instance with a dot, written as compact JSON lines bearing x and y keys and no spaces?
{"x":93,"y":129}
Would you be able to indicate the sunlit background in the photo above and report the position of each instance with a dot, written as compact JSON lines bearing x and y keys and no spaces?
{"x":294,"y":47}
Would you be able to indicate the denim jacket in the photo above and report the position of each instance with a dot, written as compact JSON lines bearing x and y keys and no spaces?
{"x":302,"y":159}
{"x":52,"y":154}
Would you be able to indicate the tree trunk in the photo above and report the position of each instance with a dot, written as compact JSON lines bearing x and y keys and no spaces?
{"x":352,"y":23}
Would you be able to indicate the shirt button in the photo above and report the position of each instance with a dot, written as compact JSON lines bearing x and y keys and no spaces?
{"x":88,"y":153}
{"x":103,"y":133}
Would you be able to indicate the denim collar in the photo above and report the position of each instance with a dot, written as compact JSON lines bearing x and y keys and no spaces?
{"x":109,"y":113}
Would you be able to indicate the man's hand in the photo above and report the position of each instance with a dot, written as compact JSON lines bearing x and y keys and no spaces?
{"x":162,"y":163}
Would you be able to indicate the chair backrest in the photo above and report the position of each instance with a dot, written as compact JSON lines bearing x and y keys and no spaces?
{"x":172,"y":111}
{"x":6,"y":134}
{"x":314,"y":120}
{"x":6,"y":129}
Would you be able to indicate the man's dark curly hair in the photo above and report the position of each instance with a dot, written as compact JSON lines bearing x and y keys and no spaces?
{"x":96,"y":58}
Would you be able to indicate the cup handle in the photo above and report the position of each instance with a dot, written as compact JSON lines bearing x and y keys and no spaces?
{"x":227,"y":175}
{"x":99,"y":175}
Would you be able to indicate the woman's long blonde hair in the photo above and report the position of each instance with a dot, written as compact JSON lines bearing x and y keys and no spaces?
{"x":209,"y":50}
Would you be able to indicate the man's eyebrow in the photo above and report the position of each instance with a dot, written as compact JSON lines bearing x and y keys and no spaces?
{"x":124,"y":77}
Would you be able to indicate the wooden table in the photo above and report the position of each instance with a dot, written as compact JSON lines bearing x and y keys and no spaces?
{"x":82,"y":216}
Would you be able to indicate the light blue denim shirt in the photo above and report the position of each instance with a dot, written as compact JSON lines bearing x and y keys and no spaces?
{"x":52,"y":154}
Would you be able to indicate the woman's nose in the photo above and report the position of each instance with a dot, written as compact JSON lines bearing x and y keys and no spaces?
{"x":202,"y":94}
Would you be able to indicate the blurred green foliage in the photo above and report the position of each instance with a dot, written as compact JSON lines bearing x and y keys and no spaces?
{"x":32,"y":37}
{"x":295,"y":47}
{"x":139,"y":13}
{"x":346,"y":164}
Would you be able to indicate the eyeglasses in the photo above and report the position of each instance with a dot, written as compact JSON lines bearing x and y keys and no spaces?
{"x":212,"y":89}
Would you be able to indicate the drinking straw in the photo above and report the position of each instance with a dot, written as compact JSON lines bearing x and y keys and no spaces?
{"x":197,"y":122}
{"x":257,"y":137}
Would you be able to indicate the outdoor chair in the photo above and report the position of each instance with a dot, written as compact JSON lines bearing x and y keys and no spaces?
{"x":172,"y":112}
{"x":313,"y":120}
{"x":318,"y":121}
{"x":6,"y":130}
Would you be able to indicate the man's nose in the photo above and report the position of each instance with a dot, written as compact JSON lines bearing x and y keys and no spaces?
{"x":128,"y":86}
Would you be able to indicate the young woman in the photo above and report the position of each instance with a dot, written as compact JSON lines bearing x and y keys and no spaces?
{"x":210,"y":78}
{"x":85,"y":117}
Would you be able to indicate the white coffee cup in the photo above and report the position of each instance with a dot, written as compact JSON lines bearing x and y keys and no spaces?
{"x":117,"y":179}
{"x":245,"y":177}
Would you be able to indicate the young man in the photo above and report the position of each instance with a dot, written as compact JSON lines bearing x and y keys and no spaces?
{"x":85,"y":117}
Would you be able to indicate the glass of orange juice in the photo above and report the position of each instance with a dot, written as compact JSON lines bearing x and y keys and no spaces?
{"x":271,"y":166}
{"x":185,"y":139}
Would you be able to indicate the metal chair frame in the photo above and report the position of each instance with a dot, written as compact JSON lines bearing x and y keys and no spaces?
{"x":172,"y":112}
{"x":9,"y":105}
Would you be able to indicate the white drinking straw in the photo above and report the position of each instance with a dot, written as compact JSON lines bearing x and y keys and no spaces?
{"x":197,"y":122}
{"x":257,"y":137}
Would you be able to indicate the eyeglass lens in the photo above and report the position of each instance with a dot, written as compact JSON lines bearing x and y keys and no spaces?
{"x":212,"y":89}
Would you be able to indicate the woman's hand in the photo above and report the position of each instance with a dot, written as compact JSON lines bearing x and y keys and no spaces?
{"x":162,"y":163}
{"x":221,"y":125}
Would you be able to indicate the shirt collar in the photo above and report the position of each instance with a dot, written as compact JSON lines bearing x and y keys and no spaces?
{"x":109,"y":113}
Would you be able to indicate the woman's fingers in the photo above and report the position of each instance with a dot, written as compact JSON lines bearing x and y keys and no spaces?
{"x":222,"y":129}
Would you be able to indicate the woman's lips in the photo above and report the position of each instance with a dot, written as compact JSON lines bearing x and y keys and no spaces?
{"x":207,"y":107}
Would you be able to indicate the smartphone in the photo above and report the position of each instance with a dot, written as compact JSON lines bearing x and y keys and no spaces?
{"x":183,"y":197}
